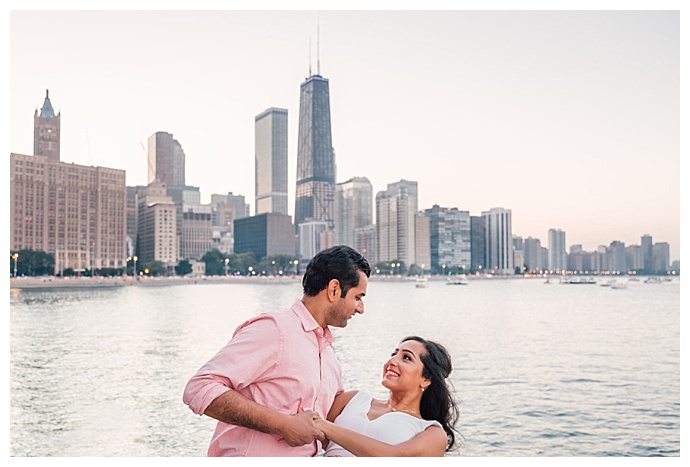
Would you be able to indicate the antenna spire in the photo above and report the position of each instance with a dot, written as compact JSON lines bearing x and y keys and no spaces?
{"x":310,"y":56}
{"x":318,"y":61}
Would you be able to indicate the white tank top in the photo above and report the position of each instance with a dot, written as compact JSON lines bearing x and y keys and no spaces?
{"x":391,"y":428}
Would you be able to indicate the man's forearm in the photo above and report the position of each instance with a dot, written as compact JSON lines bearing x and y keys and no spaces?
{"x":233,"y":408}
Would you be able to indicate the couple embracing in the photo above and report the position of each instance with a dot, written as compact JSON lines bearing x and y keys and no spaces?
{"x":276,"y":388}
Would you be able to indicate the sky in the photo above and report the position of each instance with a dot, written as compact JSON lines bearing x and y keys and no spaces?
{"x":569,"y":118}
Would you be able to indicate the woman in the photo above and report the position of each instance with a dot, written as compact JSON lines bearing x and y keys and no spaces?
{"x":416,"y":420}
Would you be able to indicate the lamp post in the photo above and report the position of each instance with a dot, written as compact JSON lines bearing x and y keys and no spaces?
{"x":227,"y":260}
{"x":135,"y":265}
{"x":15,"y":257}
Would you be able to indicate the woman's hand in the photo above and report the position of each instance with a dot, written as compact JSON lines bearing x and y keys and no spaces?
{"x":323,"y":425}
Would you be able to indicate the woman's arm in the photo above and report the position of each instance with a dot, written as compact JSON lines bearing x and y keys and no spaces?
{"x":430,"y":442}
{"x":341,"y":400}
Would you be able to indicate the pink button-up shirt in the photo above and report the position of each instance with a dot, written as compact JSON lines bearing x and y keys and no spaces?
{"x":282,"y":360}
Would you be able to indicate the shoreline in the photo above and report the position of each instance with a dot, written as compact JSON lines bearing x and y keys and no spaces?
{"x":144,"y":281}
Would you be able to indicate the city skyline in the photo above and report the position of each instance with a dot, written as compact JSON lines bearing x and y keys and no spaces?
{"x":601,"y":110}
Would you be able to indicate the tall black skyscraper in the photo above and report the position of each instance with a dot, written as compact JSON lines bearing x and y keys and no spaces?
{"x":315,"y":191}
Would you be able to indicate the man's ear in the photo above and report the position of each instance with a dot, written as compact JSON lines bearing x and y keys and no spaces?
{"x":333,"y":290}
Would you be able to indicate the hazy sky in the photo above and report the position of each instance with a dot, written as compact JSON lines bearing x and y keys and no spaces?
{"x":571,"y":119}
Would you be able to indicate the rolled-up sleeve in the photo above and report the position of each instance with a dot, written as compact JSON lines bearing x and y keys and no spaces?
{"x":250,"y":356}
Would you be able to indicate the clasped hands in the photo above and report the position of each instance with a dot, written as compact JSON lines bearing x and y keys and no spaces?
{"x":304,"y":427}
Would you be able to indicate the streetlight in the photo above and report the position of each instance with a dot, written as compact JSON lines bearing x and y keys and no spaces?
{"x":15,"y":257}
{"x":135,"y":266}
{"x":227,"y":260}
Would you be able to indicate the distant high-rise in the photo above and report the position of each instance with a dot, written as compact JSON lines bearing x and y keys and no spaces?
{"x":396,"y":209}
{"x":557,"y":255}
{"x":159,"y":239}
{"x":478,"y":243}
{"x":315,"y":182}
{"x":166,"y":159}
{"x":353,"y":209}
{"x":267,"y":234}
{"x":647,"y":246}
{"x":450,"y":238}
{"x":499,"y":241}
{"x":271,"y":161}
{"x":532,"y":255}
{"x":47,"y":132}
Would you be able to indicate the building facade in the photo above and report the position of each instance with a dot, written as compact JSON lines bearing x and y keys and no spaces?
{"x":396,"y":209}
{"x":450,"y":238}
{"x":47,"y":131}
{"x":166,"y":160}
{"x":271,"y":161}
{"x":267,"y":234}
{"x":315,"y":181}
{"x":557,"y":251}
{"x":499,"y":241}
{"x":197,"y":238}
{"x":74,"y":212}
{"x":353,"y":209}
{"x":157,"y":226}
{"x":477,"y":244}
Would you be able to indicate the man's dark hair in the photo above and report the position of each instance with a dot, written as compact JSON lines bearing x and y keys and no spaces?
{"x":339,"y":262}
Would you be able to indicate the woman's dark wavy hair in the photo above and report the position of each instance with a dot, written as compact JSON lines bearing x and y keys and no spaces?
{"x":437,"y":399}
{"x":339,"y":262}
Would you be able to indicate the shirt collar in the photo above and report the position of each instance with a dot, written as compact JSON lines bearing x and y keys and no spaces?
{"x":309,"y":324}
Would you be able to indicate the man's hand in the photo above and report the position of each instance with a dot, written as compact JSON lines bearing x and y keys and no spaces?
{"x":300,"y":429}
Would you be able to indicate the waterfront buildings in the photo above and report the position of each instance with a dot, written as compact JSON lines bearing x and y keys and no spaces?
{"x":315,"y":181}
{"x":533,"y":255}
{"x":271,"y":161}
{"x":353,"y":209}
{"x":557,"y":252}
{"x":499,"y":241}
{"x":647,"y":245}
{"x":313,"y":236}
{"x":450,"y":238}
{"x":73,"y":212}
{"x":477,"y":243}
{"x":224,"y":210}
{"x":196,"y":238}
{"x":266,"y":234}
{"x":396,"y":208}
{"x":166,"y":159}
{"x":159,"y":239}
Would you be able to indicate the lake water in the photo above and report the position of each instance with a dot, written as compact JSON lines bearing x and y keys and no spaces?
{"x":539,"y":370}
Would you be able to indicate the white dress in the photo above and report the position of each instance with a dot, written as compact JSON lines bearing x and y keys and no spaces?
{"x":391,"y":428}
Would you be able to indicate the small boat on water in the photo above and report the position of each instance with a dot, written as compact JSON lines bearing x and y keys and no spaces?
{"x":619,"y":285}
{"x":457,"y":280}
{"x":421,"y":283}
{"x":578,"y":280}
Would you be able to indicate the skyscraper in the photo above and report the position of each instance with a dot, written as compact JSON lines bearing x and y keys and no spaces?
{"x":315,"y":182}
{"x":450,"y":238}
{"x":166,"y":159}
{"x":353,"y":209}
{"x":271,"y":161}
{"x":47,"y":132}
{"x":395,"y":222}
{"x":647,"y":246}
{"x":557,"y":255}
{"x":499,"y":241}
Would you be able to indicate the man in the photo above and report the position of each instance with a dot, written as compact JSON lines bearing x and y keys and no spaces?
{"x":279,"y":370}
